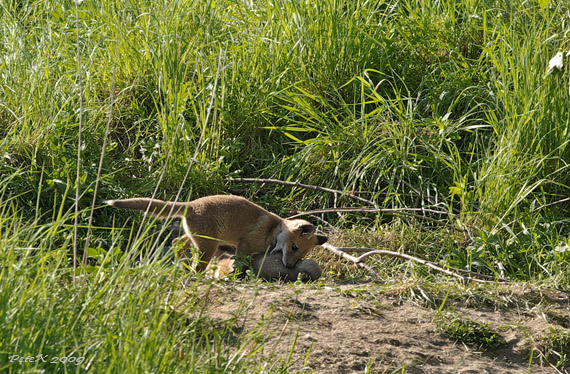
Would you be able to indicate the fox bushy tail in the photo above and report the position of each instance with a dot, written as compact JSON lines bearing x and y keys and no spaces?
{"x":155,"y":207}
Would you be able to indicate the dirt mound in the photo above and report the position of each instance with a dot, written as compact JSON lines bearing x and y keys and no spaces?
{"x":341,"y":332}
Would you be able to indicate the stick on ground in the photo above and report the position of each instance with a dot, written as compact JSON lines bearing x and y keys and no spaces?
{"x":475,"y":277}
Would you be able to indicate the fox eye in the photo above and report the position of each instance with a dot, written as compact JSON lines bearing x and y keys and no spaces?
{"x":294,"y":248}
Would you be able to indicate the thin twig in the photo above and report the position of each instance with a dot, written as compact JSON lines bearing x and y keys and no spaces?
{"x":536,"y":210}
{"x":401,"y":211}
{"x":301,"y":185}
{"x":446,"y":270}
{"x":324,"y":222}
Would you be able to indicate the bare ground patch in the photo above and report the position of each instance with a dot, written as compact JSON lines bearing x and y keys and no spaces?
{"x":354,"y":329}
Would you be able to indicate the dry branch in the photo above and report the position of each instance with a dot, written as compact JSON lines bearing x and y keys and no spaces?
{"x":301,"y":185}
{"x":341,"y":251}
{"x":401,"y":211}
{"x":337,"y":251}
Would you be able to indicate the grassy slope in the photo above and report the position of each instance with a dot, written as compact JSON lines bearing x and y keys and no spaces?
{"x":429,"y":104}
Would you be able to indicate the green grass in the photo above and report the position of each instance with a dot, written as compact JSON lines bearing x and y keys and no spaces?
{"x":472,"y":333}
{"x":553,"y":347}
{"x":413,"y":104}
{"x":116,"y":318}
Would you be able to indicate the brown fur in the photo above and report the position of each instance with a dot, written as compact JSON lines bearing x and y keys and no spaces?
{"x":212,"y":221}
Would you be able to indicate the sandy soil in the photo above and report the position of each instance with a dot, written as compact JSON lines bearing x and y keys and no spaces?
{"x":346,"y":332}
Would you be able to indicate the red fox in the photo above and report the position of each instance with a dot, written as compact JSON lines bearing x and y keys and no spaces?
{"x":212,"y":221}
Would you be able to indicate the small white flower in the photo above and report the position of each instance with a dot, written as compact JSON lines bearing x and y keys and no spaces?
{"x":562,"y":247}
{"x":556,"y":62}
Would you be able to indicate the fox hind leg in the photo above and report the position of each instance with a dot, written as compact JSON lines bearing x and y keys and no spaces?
{"x":207,"y":248}
{"x":183,"y":252}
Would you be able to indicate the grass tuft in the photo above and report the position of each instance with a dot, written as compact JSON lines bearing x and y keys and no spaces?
{"x":477,"y":335}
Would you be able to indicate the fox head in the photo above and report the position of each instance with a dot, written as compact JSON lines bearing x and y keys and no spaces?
{"x":296,"y":240}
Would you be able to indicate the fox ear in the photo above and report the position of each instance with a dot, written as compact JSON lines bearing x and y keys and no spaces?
{"x":306,"y":229}
{"x":321,"y":239}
